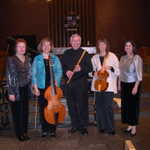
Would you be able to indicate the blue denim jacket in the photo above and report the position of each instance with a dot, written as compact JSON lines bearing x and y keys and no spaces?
{"x":38,"y":71}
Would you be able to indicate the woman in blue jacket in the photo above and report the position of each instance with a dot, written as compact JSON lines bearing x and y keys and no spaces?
{"x":41,"y":80}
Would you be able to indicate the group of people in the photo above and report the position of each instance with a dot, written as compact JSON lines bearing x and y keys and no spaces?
{"x":22,"y":76}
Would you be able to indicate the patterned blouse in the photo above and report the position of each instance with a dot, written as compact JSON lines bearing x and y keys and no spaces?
{"x":18,"y":74}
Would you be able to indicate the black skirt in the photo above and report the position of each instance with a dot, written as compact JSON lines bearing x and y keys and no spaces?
{"x":130,"y":104}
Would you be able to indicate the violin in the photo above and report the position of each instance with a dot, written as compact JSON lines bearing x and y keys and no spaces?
{"x":101,"y":83}
{"x":55,"y":111}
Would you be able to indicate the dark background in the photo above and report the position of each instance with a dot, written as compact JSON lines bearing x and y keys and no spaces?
{"x":118,"y":20}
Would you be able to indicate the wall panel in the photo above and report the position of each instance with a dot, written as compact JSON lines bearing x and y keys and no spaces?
{"x":83,"y":12}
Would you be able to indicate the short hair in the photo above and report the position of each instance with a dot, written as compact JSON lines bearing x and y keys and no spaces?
{"x":74,"y":35}
{"x":45,"y":39}
{"x":20,"y":41}
{"x":103,"y":40}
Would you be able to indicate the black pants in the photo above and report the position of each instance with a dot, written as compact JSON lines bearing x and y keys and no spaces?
{"x":104,"y":111}
{"x":77,"y":100}
{"x":46,"y":127}
{"x":20,"y":112}
{"x":130,"y":104}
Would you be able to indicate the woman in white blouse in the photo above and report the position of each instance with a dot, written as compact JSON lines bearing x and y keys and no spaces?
{"x":130,"y":79}
{"x":106,"y":61}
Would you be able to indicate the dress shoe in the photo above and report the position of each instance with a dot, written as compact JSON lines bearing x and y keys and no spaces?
{"x":101,"y":131}
{"x":21,"y":138}
{"x":111,"y":133}
{"x":127,"y":131}
{"x":83,"y":131}
{"x":44,"y":134}
{"x":72,"y":130}
{"x":52,"y":134}
{"x":132,"y":134}
{"x":26,"y":137}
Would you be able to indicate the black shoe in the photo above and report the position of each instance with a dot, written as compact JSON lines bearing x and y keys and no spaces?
{"x":44,"y":134}
{"x":132,"y":134}
{"x":127,"y":131}
{"x":26,"y":137}
{"x":101,"y":131}
{"x":111,"y":133}
{"x":52,"y":134}
{"x":83,"y":131}
{"x":72,"y":130}
{"x":21,"y":138}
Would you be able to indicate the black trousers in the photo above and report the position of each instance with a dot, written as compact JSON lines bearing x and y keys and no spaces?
{"x":104,"y":111}
{"x":20,"y":111}
{"x":130,"y":104}
{"x":46,"y":127}
{"x":77,"y":100}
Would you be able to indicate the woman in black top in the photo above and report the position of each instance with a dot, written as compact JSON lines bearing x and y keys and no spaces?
{"x":18,"y":76}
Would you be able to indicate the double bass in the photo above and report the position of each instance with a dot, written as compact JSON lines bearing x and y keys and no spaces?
{"x":55,"y":111}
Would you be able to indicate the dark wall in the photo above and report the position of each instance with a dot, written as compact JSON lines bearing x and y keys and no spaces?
{"x":116,"y":19}
{"x":23,"y":17}
{"x":121,"y":20}
{"x":72,"y":16}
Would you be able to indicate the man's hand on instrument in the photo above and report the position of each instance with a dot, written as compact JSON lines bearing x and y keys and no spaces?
{"x":69,"y":74}
{"x":77,"y":68}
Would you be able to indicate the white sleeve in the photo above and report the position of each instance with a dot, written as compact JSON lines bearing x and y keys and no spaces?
{"x":138,"y":67}
{"x":93,"y":66}
{"x":115,"y":65}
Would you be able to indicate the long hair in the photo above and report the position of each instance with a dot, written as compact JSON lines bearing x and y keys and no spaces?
{"x":103,"y":40}
{"x":133,"y":45}
{"x":43,"y":40}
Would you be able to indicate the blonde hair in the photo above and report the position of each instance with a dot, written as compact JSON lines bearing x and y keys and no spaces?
{"x":43,"y":40}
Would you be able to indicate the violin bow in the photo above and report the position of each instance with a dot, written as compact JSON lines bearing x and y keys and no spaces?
{"x":80,"y":59}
